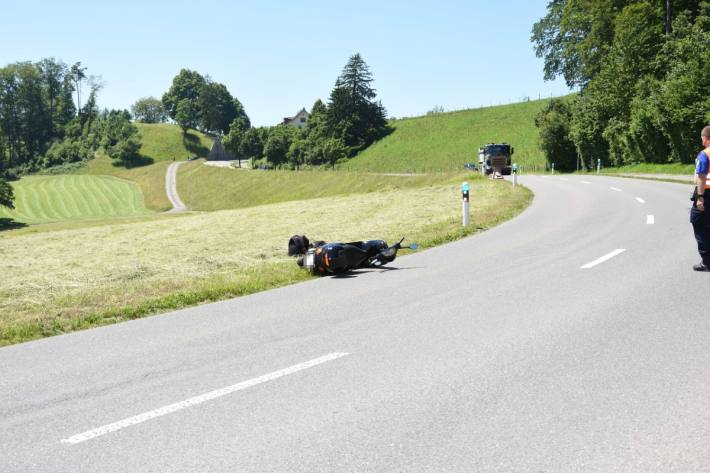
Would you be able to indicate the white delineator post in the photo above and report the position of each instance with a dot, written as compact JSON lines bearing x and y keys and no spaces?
{"x":599,"y":165}
{"x":515,"y":174}
{"x":464,"y":197}
{"x":553,"y":168}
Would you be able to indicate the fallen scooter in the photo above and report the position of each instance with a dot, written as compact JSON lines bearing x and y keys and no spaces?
{"x":338,"y":258}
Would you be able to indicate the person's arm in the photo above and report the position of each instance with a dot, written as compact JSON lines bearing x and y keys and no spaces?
{"x":700,"y":186}
{"x":701,"y":173}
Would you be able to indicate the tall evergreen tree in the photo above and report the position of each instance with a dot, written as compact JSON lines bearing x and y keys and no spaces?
{"x":353,"y":115}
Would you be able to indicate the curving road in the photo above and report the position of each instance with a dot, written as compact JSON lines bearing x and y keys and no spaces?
{"x":536,"y":346}
{"x":171,"y":188}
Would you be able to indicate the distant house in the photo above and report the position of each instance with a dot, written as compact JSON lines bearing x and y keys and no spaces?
{"x":299,"y":120}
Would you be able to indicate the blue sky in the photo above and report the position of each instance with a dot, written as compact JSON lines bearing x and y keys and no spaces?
{"x":277,"y":57}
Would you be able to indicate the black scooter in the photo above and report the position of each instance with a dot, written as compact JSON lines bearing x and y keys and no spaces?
{"x":337,"y":258}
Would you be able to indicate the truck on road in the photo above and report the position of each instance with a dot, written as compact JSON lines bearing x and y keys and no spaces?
{"x":495,"y":158}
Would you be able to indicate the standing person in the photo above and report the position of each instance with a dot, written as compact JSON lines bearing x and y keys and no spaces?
{"x":698,"y":215}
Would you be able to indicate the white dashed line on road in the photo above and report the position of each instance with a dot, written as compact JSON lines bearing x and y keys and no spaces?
{"x":604,"y":258}
{"x":564,"y":179}
{"x":585,"y":182}
{"x":641,"y":201}
{"x":650,"y":220}
{"x":615,"y":189}
{"x":193,"y":401}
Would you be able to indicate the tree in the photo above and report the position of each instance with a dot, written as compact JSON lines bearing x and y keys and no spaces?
{"x":77,"y":75}
{"x":216,"y":107}
{"x":186,"y":115}
{"x":352,"y":115}
{"x":149,"y":110}
{"x":185,"y":86}
{"x":7,"y":196}
{"x":297,"y":153}
{"x":121,"y":138}
{"x":278,"y":144}
{"x":553,"y":122}
{"x":331,"y":151}
{"x":251,"y":145}
{"x":237,"y":131}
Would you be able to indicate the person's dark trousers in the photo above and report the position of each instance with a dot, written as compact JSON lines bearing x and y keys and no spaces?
{"x":702,"y":232}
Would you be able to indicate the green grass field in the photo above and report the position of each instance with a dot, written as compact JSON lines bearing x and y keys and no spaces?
{"x":165,"y":142}
{"x":444,"y":142}
{"x":160,"y":144}
{"x":51,"y":284}
{"x":211,"y":188}
{"x":150,"y":179}
{"x":42,"y":199}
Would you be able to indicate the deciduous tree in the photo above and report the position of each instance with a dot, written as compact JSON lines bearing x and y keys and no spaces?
{"x":149,"y":110}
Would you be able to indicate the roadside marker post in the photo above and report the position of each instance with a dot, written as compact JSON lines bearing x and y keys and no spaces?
{"x":515,"y":174}
{"x":464,"y":196}
{"x":553,"y":168}
{"x":599,"y":165}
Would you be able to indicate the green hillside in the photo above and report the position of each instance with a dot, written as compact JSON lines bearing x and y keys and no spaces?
{"x":211,"y":188}
{"x":40,"y":199}
{"x":446,"y":141}
{"x":165,"y":142}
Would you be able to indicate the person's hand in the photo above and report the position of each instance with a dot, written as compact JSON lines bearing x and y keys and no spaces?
{"x":700,"y":204}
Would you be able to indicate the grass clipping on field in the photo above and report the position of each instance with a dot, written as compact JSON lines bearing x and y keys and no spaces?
{"x":54,"y":282}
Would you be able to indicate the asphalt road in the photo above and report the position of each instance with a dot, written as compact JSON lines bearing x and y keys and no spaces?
{"x":171,"y":187}
{"x":497,"y":353}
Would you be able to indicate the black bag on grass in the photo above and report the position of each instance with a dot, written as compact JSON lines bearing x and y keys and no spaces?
{"x":298,"y":245}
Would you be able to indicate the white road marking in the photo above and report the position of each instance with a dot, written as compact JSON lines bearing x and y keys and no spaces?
{"x":641,"y":201}
{"x":585,"y":182}
{"x":603,"y":258}
{"x":615,"y":189}
{"x":564,"y":179}
{"x":193,"y":401}
{"x":650,"y":220}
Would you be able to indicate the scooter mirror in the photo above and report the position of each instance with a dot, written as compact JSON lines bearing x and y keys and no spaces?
{"x":413,"y":246}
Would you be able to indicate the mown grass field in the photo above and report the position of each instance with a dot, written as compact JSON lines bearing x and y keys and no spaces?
{"x":444,"y":142}
{"x":64,"y":280}
{"x":211,"y":188}
{"x":160,"y":144}
{"x":42,"y":199}
{"x":150,"y":179}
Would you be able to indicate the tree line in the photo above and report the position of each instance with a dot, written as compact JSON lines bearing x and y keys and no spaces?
{"x":642,"y":69}
{"x":41,"y":126}
{"x":350,"y":121}
{"x":45,"y":124}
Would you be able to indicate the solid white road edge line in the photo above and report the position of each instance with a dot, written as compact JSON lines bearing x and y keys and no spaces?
{"x":650,"y":220}
{"x":641,"y":201}
{"x":603,"y":258}
{"x":615,"y":189}
{"x":193,"y":401}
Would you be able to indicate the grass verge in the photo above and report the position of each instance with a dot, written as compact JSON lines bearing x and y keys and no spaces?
{"x":212,"y":188}
{"x":119,"y":272}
